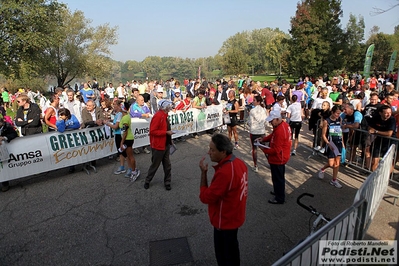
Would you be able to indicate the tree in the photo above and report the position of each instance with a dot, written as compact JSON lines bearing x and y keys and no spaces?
{"x":235,"y":57}
{"x":82,"y":50}
{"x":276,"y":49}
{"x":354,"y":35}
{"x":246,"y":51}
{"x":317,"y":41}
{"x":382,"y":51}
{"x":378,"y":11}
{"x":25,"y":27}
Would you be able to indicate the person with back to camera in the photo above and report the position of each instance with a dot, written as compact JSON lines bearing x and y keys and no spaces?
{"x":226,"y":197}
{"x":256,"y":121}
{"x":160,"y":141}
{"x":295,"y":115}
{"x":278,"y":153}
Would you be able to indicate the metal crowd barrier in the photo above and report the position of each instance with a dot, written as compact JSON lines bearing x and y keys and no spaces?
{"x":351,"y":224}
{"x":342,"y":227}
{"x":357,"y":151}
{"x":375,"y":187}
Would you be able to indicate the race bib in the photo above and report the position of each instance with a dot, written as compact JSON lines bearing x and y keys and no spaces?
{"x":335,"y":131}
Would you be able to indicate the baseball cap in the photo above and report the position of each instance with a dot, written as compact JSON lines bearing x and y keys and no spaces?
{"x":159,"y":89}
{"x":163,"y":104}
{"x":388,"y":83}
{"x":273,"y":114}
{"x":176,"y":90}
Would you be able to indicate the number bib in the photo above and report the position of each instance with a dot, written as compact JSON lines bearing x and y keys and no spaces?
{"x":335,"y":131}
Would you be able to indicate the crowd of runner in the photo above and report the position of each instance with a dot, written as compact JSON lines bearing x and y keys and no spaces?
{"x":333,"y":108}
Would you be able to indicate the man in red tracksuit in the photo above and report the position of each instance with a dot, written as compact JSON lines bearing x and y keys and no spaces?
{"x":278,"y":154}
{"x":226,"y":197}
{"x":160,"y":140}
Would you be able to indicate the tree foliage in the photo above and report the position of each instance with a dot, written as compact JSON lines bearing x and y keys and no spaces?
{"x":354,"y":36}
{"x":82,"y":51}
{"x":248,"y":50}
{"x":382,"y":51}
{"x":317,"y":41}
{"x":25,"y":27}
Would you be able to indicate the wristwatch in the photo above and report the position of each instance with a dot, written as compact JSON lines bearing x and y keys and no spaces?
{"x":376,"y":131}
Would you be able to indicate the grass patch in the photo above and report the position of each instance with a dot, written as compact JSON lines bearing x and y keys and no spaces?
{"x":270,"y":78}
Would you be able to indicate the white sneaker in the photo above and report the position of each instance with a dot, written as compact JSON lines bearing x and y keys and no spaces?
{"x":321,"y":174}
{"x":136,"y":151}
{"x":293,"y":152}
{"x":335,"y":183}
{"x":146,"y":150}
{"x":255,"y":169}
{"x":135,"y":174}
{"x":317,"y":148}
{"x":236,"y":146}
{"x":322,"y":150}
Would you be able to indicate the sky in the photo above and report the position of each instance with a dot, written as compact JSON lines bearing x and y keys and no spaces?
{"x":198,"y":28}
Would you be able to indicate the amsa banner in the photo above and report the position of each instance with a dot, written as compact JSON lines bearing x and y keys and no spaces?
{"x":36,"y":154}
{"x":182,"y":123}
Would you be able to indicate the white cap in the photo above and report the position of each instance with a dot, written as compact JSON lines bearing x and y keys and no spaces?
{"x":273,"y":114}
{"x":159,"y":89}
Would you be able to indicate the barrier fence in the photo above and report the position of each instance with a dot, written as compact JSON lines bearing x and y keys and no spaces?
{"x":362,"y":147}
{"x":351,"y":224}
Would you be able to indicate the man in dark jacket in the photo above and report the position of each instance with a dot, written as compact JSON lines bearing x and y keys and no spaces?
{"x":221,"y":94}
{"x":7,"y":133}
{"x":92,"y":115}
{"x":28,"y":116}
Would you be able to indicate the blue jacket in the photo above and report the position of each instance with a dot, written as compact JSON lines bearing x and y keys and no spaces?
{"x":69,"y":124}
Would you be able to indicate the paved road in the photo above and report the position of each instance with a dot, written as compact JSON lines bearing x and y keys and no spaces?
{"x":58,"y":218}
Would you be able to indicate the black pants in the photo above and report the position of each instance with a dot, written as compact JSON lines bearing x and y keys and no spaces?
{"x":278,"y":179}
{"x":226,"y":247}
{"x":157,"y":158}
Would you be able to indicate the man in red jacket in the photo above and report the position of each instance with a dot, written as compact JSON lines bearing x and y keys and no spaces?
{"x":278,"y":154}
{"x":226,"y":197}
{"x":160,"y":141}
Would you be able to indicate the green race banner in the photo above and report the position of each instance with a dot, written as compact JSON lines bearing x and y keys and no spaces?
{"x":40,"y":153}
{"x":367,"y":61}
{"x":392,"y":62}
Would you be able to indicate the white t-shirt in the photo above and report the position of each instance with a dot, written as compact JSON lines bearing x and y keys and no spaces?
{"x":110,"y":92}
{"x":295,"y":110}
{"x":121,"y":92}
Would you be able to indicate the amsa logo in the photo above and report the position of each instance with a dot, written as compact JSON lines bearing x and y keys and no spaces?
{"x":23,"y":159}
{"x":141,"y":133}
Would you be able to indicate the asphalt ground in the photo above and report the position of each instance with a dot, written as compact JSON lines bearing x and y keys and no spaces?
{"x":57,"y":218}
